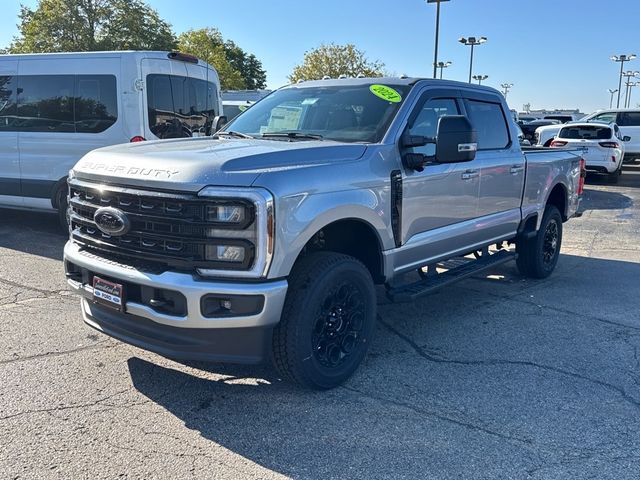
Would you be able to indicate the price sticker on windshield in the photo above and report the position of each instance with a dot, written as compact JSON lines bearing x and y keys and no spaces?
{"x":386,"y":93}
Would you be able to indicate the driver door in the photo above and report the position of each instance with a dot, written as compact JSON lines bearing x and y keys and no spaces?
{"x":440,"y":203}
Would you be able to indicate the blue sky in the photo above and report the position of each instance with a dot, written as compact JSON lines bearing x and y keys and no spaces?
{"x":555,"y":52}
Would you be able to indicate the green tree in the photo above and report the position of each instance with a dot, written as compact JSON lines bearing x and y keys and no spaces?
{"x":89,"y":25}
{"x":207,"y":44}
{"x":248,"y":65}
{"x":335,"y":60}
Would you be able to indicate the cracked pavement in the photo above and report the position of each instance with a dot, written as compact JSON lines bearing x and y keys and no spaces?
{"x":495,"y":377}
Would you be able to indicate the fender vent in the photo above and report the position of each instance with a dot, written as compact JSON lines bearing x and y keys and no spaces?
{"x":396,"y":206}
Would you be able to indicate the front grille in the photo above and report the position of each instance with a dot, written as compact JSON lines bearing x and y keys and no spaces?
{"x":165,"y":228}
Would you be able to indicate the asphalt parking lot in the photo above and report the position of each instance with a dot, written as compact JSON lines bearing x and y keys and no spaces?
{"x":496,"y":377}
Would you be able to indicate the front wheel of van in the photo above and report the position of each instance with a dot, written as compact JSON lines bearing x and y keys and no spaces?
{"x":62,"y":202}
{"x":327,"y":321}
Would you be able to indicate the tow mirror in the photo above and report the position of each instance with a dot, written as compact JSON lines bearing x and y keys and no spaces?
{"x":410,"y":141}
{"x":457,"y":141}
{"x":219,"y":121}
{"x":626,"y":138}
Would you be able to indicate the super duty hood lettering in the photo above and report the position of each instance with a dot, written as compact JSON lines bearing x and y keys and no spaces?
{"x":127,"y":170}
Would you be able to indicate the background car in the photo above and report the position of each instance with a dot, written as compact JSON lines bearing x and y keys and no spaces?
{"x":529,"y":129}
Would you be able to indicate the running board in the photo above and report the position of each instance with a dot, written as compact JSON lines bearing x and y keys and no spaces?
{"x":435,"y":281}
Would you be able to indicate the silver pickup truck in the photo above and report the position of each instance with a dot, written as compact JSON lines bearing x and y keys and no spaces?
{"x":267,"y":239}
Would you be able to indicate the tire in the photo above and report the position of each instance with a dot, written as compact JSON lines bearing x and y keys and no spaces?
{"x":63,"y":205}
{"x":615,"y":176}
{"x":538,"y":256}
{"x":327,"y":321}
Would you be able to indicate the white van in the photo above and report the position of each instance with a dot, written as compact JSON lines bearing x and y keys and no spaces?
{"x":56,"y":107}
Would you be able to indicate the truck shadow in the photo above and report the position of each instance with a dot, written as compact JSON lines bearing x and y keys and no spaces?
{"x":34,"y":233}
{"x":496,"y":361}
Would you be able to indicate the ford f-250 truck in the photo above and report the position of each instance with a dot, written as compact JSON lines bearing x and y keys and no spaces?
{"x":267,"y":239}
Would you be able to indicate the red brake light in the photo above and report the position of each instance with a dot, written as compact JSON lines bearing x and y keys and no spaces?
{"x":583,"y":175}
{"x":137,"y":138}
{"x":609,"y":144}
{"x":558,"y":143}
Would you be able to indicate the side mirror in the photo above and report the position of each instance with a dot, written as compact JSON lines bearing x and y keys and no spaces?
{"x":626,"y":138}
{"x":410,"y":141}
{"x":457,"y":141}
{"x":219,"y":121}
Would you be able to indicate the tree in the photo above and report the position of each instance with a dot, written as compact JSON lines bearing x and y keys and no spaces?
{"x":248,"y":65}
{"x":207,"y":44}
{"x":89,"y":25}
{"x":335,"y":60}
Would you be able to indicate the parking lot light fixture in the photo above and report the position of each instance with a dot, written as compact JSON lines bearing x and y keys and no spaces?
{"x":612,"y":91}
{"x":621,"y":59}
{"x":442,"y":66}
{"x":480,"y":78}
{"x":435,"y":53}
{"x":472,"y":42}
{"x":630,"y":85}
{"x":505,"y":88}
{"x":629,"y":74}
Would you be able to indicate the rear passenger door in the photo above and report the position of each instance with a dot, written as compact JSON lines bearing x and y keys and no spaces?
{"x":501,"y":164}
{"x":9,"y":159}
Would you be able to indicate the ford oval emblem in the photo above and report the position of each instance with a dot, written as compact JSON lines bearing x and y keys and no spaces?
{"x":112,"y":221}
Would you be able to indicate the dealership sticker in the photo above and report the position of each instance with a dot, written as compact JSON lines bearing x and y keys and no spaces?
{"x":386,"y":93}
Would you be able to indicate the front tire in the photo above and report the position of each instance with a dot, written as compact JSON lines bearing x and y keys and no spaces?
{"x":63,"y":208}
{"x":538,"y":256}
{"x":327,"y":321}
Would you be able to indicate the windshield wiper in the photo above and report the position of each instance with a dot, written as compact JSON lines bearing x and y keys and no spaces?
{"x":293,"y":135}
{"x":234,"y":134}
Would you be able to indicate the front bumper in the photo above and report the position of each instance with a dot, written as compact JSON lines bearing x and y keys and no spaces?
{"x":240,"y":339}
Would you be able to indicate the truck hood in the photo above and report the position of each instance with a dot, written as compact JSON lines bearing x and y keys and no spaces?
{"x":194,"y":163}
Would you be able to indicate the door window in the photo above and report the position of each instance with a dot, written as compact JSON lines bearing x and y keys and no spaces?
{"x":96,"y":104}
{"x":426,"y":122}
{"x":605,"y":117}
{"x":489,"y":121}
{"x":629,"y":119}
{"x":45,"y":103}
{"x":7,"y":103}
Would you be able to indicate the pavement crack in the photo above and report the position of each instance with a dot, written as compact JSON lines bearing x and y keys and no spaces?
{"x":98,"y":345}
{"x":497,"y":362}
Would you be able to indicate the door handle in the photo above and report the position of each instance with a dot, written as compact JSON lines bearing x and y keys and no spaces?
{"x":469,"y":174}
{"x":516,"y":169}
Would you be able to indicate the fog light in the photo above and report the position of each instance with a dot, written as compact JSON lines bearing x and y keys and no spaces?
{"x":225,"y":253}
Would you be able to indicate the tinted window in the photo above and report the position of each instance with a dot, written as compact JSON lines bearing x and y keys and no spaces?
{"x":96,"y":104}
{"x":585,"y":132}
{"x":605,"y":117}
{"x":7,"y":103}
{"x":180,"y":106}
{"x":45,"y":103}
{"x":346,"y":113}
{"x":489,"y":121}
{"x":426,"y":123}
{"x":629,"y":119}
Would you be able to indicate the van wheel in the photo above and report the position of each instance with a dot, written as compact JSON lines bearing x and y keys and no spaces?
{"x":63,"y":208}
{"x":538,"y":256}
{"x":327,"y":321}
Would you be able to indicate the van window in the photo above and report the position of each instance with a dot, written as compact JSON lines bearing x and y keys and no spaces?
{"x":629,"y":119}
{"x":489,"y":121}
{"x":45,"y":103}
{"x":96,"y":103}
{"x":7,"y":103}
{"x":180,"y":106}
{"x":606,"y":117}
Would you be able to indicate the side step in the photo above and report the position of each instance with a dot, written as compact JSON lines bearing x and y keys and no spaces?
{"x":431,"y":283}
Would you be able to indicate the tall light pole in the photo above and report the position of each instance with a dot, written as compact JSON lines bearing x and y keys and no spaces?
{"x":621,"y":59}
{"x":506,"y":87}
{"x":612,"y":92}
{"x":628,"y":75}
{"x":435,"y":53}
{"x":480,"y":78}
{"x":472,"y":41}
{"x":442,"y":66}
{"x":629,"y":85}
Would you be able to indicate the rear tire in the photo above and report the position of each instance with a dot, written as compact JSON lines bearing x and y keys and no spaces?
{"x":615,"y":176}
{"x":327,"y":321}
{"x":538,"y":256}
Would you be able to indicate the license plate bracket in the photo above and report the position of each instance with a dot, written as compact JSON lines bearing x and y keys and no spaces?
{"x":109,"y":294}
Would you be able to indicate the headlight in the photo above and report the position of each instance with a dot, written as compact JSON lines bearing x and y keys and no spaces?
{"x":240,"y":233}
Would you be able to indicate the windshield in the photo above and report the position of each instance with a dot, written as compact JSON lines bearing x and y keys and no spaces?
{"x":585,"y":132}
{"x":359,"y":113}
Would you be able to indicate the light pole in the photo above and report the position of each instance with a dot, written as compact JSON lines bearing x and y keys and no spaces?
{"x":506,"y":87}
{"x":442,"y":66}
{"x":628,"y":74}
{"x":480,"y":78}
{"x":621,"y":59}
{"x":472,"y":41}
{"x":435,"y":53}
{"x":612,"y":92}
{"x":629,"y":85}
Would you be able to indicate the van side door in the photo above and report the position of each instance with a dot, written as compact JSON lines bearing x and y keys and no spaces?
{"x":440,"y":202}
{"x":9,"y":158}
{"x":501,"y":164}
